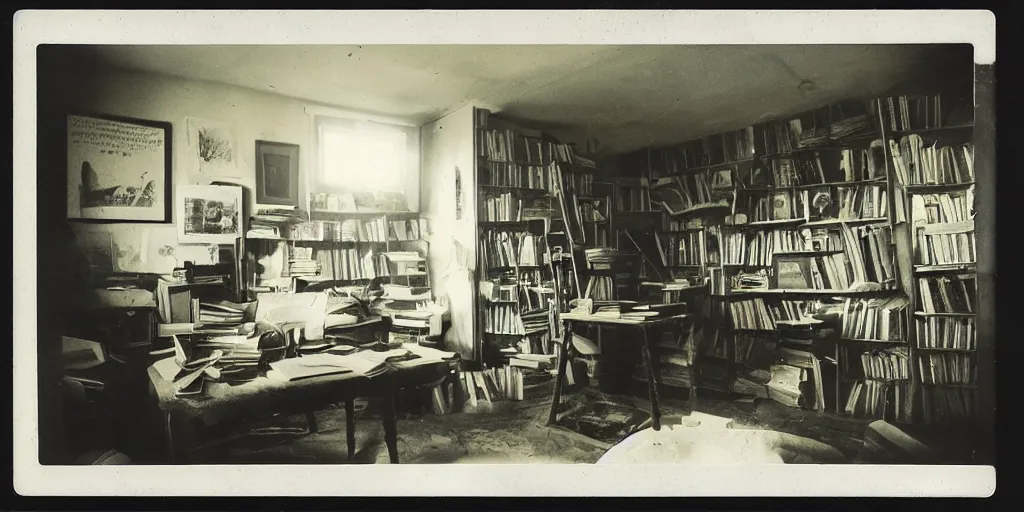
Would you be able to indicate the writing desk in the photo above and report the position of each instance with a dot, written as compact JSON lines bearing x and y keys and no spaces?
{"x":645,"y":349}
{"x":222,"y":401}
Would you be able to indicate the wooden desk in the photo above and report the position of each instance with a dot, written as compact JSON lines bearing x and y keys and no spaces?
{"x":645,"y":349}
{"x":223,"y":401}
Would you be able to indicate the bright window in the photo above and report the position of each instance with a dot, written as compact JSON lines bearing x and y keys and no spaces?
{"x":365,"y":157}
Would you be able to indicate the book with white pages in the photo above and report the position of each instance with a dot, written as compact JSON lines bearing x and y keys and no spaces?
{"x":315,"y":365}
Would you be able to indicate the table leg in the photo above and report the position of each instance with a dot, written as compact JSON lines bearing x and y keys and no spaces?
{"x":173,"y":455}
{"x":311,"y":424}
{"x":350,"y":427}
{"x":458,"y":399}
{"x":563,"y":360}
{"x":652,"y":386}
{"x":390,"y":426}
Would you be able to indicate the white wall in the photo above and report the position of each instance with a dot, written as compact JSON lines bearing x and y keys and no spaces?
{"x":255,"y":116}
{"x":448,"y":144}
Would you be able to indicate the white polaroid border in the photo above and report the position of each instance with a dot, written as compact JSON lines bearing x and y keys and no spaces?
{"x":34,"y":27}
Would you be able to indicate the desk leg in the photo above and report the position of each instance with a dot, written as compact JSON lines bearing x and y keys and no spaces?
{"x":563,"y":360}
{"x":173,"y":453}
{"x":390,"y":426}
{"x":350,"y":427}
{"x":652,"y":385}
{"x":311,"y":424}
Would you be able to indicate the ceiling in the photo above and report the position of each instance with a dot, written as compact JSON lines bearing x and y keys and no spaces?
{"x":618,"y":98}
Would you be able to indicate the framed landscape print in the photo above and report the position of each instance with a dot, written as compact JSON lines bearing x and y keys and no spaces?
{"x":277,"y":173}
{"x":209,"y":214}
{"x":118,"y":169}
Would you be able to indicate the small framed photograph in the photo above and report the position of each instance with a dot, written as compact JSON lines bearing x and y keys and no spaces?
{"x":277,"y":173}
{"x":209,"y":214}
{"x":791,"y":272}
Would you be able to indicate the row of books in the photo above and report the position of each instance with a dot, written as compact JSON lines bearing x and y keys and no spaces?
{"x":506,"y":248}
{"x":582,"y":183}
{"x":346,"y":264}
{"x":945,"y":294}
{"x":947,"y":368}
{"x":501,"y":207}
{"x":863,"y":164}
{"x":600,"y":288}
{"x":739,"y":144}
{"x":517,"y":175}
{"x":508,"y":319}
{"x":912,"y":112}
{"x":880,"y":319}
{"x":943,"y":208}
{"x":886,"y":364}
{"x":916,"y":164}
{"x":758,"y":248}
{"x":772,"y":138}
{"x":633,"y":196}
{"x":945,"y":406}
{"x":880,"y":400}
{"x":946,"y":248}
{"x":681,"y":248}
{"x":751,"y":314}
{"x":795,"y":171}
{"x":512,"y":146}
{"x":946,"y":333}
{"x":782,"y":136}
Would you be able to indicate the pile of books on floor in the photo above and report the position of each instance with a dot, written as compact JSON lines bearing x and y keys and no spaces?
{"x":523,"y":376}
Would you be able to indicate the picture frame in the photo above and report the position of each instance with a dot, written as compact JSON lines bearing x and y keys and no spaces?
{"x":791,"y":272}
{"x":118,"y":169}
{"x":277,"y":173}
{"x":209,"y":214}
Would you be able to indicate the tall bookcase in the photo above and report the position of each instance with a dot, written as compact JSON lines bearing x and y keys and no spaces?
{"x":932,"y":155}
{"x":530,"y":192}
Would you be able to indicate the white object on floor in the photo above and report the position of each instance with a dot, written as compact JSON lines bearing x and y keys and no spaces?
{"x":702,"y":445}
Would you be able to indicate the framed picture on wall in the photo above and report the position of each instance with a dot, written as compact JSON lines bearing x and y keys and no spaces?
{"x":118,"y":169}
{"x":209,"y":214}
{"x":277,"y":173}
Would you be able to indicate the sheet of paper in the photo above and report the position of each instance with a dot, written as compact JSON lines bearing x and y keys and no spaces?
{"x":306,"y":310}
{"x":81,"y":354}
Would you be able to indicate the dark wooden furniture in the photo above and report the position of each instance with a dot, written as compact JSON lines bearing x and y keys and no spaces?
{"x":644,"y":326}
{"x":222,"y":402}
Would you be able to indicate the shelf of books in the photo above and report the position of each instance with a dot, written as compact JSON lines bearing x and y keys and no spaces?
{"x":945,"y":289}
{"x":293,"y":249}
{"x":536,"y":200}
{"x":790,"y":215}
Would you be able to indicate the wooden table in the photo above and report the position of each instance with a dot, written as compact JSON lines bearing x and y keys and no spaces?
{"x":645,"y":349}
{"x":223,"y":401}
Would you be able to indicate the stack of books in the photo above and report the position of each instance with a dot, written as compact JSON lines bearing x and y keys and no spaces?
{"x":273,"y":222}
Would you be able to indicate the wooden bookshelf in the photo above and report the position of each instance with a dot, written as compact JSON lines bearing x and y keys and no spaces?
{"x":815,"y":166}
{"x":538,"y":183}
